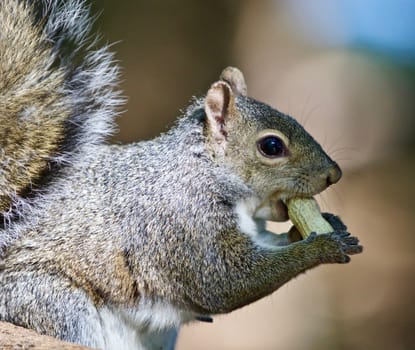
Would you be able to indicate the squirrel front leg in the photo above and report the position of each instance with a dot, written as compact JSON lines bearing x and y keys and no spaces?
{"x":281,"y":239}
{"x":293,"y":235}
{"x":249,"y":272}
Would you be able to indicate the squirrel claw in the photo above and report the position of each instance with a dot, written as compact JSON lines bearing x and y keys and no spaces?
{"x":335,"y":222}
{"x":335,"y":247}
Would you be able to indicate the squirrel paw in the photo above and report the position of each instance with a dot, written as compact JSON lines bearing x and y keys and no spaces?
{"x":335,"y":222}
{"x":335,"y":247}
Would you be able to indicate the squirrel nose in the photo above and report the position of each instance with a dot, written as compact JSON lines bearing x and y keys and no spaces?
{"x":334,"y":175}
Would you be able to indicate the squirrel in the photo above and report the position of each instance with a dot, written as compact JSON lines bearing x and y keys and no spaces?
{"x":117,"y":246}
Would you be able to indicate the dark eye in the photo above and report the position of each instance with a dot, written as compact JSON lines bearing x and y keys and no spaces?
{"x":271,"y":147}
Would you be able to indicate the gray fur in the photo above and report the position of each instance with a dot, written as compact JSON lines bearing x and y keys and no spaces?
{"x":148,"y":234}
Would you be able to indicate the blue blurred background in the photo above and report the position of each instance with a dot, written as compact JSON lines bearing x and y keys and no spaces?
{"x":346,"y":70}
{"x":379,"y":26}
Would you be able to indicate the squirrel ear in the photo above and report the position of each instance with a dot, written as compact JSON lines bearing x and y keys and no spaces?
{"x":234,"y":77}
{"x":219,"y":103}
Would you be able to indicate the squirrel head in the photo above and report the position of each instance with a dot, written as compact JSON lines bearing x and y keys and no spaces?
{"x":269,"y":150}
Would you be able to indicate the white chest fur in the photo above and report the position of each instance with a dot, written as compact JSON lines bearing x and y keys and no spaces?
{"x":148,"y":326}
{"x":254,"y":228}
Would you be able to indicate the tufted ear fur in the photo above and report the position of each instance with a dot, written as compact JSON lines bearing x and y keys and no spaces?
{"x":219,"y":106}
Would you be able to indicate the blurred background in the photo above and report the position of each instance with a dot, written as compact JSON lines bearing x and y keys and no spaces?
{"x":346,"y":70}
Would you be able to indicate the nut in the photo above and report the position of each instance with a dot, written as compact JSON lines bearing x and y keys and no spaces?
{"x":306,"y":216}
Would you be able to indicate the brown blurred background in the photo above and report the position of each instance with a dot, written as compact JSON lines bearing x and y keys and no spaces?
{"x":345,"y":70}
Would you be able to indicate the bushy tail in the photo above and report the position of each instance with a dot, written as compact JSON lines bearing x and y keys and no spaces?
{"x":57,"y":95}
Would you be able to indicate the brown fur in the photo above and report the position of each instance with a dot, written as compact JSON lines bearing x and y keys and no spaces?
{"x":31,"y":112}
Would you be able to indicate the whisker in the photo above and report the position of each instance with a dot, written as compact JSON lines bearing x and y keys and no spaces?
{"x":324,"y":201}
{"x":310,"y":113}
{"x":302,"y":114}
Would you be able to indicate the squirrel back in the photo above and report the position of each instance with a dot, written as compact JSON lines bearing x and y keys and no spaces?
{"x":57,"y":98}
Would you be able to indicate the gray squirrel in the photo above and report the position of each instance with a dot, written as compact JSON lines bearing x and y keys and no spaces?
{"x":117,"y":246}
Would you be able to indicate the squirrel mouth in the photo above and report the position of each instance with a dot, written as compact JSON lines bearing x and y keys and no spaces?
{"x":273,"y":209}
{"x":280,"y":210}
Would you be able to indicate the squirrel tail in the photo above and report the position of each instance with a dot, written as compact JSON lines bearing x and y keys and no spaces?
{"x":57,"y":96}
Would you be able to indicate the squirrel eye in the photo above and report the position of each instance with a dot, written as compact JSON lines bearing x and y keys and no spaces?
{"x":271,"y":147}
